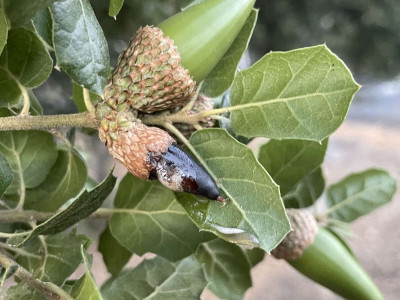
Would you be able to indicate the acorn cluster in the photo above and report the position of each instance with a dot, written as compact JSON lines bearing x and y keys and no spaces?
{"x":149,"y":78}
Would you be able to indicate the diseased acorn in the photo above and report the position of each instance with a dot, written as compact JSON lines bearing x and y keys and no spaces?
{"x":176,"y":170}
{"x":151,"y":153}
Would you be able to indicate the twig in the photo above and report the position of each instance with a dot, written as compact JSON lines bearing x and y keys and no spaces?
{"x":27,"y":101}
{"x":10,"y":216}
{"x":19,"y":251}
{"x":10,"y":235}
{"x":47,"y":122}
{"x":48,"y":289}
{"x":190,"y":104}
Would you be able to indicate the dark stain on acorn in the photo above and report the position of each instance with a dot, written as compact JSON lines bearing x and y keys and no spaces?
{"x":176,"y":170}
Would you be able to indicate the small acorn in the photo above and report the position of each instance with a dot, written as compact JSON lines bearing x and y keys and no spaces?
{"x":304,"y":230}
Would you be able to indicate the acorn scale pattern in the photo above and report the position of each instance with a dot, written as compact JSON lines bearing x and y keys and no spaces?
{"x":131,"y":142}
{"x":148,"y":76}
{"x":304,"y":230}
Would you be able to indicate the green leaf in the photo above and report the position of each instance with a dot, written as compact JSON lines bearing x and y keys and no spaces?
{"x":159,"y":279}
{"x":225,"y":122}
{"x":6,"y":174}
{"x":24,"y":62}
{"x":82,"y":207}
{"x":254,"y":215}
{"x":289,"y":161}
{"x":79,"y":43}
{"x":23,"y":291}
{"x":307,"y":191}
{"x":221,"y":77}
{"x":115,"y":7}
{"x":53,"y":258}
{"x":30,"y":154}
{"x":300,"y":94}
{"x":359,"y":194}
{"x":77,"y":97}
{"x":86,"y":288}
{"x":43,"y":25}
{"x":115,"y":255}
{"x":65,"y":180}
{"x":19,"y":12}
{"x":227,"y":269}
{"x":149,"y":219}
{"x":3,"y":30}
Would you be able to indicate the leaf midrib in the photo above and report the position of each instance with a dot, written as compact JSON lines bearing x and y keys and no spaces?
{"x":284,"y":100}
{"x":350,"y":199}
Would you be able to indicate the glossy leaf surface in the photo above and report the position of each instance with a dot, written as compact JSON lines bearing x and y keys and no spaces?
{"x":359,"y":194}
{"x":79,"y":43}
{"x":299,"y":94}
{"x":254,"y":215}
{"x":289,"y":161}
{"x":159,"y":279}
{"x":149,"y":219}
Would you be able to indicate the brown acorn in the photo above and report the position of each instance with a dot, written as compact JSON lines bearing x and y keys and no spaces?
{"x":148,"y":76}
{"x":150,"y":153}
{"x":131,"y":142}
{"x":304,"y":230}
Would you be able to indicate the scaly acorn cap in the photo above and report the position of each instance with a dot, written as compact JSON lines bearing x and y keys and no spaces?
{"x":304,"y":230}
{"x":131,"y":142}
{"x":202,"y":103}
{"x":148,"y":76}
{"x":149,"y":153}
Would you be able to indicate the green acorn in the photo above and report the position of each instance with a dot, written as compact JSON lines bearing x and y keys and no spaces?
{"x":318,"y":254}
{"x":160,"y":65}
{"x":154,"y":73}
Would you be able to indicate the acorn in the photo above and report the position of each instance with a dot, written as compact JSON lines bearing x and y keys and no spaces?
{"x":318,"y":254}
{"x":304,"y":228}
{"x":156,"y":72}
{"x":159,"y":67}
{"x":330,"y":263}
{"x":148,"y":76}
{"x":150,"y":153}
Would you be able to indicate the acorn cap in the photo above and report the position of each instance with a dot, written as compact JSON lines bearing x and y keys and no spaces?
{"x":202,"y":103}
{"x":304,"y":230}
{"x":131,"y":142}
{"x":148,"y":76}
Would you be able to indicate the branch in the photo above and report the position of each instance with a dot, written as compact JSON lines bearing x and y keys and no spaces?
{"x":48,"y":289}
{"x":10,"y":216}
{"x":23,"y":122}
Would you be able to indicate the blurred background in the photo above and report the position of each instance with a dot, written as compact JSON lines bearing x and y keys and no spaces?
{"x":366,"y":35}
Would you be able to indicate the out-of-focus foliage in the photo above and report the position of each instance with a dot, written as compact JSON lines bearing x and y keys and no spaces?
{"x":364,"y":33}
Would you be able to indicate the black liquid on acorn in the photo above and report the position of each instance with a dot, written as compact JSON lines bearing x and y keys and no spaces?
{"x":178,"y":171}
